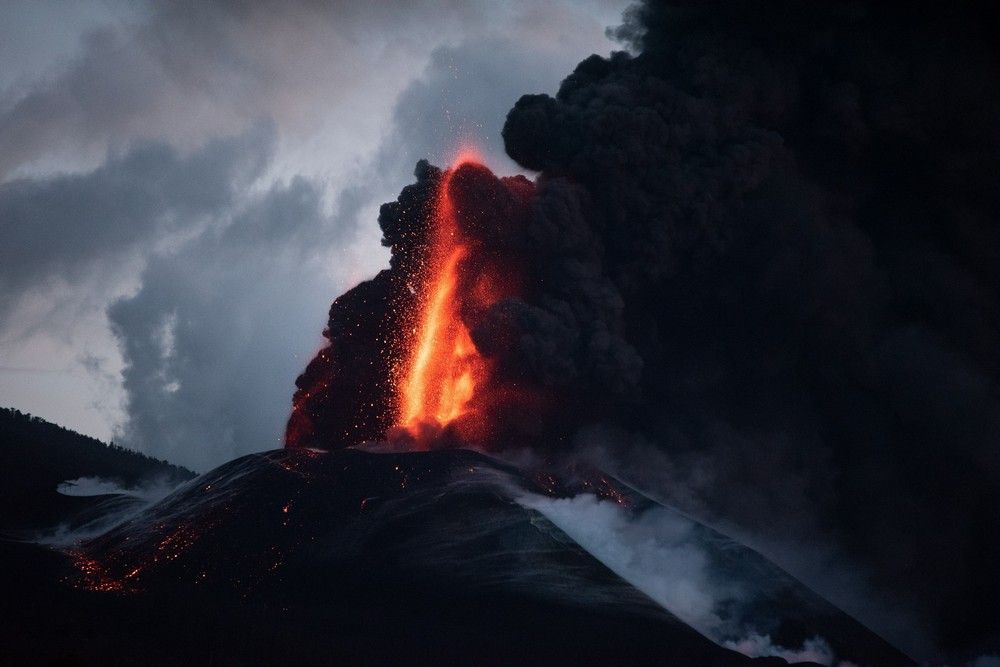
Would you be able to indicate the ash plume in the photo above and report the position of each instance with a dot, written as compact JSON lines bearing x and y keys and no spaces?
{"x":763,"y":253}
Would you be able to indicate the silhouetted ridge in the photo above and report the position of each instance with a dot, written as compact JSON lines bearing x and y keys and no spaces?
{"x":36,"y":456}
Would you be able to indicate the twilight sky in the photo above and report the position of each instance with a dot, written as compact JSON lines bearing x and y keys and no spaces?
{"x":185,"y":186}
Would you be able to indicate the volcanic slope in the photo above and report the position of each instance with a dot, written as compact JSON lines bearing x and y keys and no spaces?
{"x":297,"y":555}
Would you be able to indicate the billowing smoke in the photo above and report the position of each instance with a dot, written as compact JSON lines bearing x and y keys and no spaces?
{"x":761,"y":258}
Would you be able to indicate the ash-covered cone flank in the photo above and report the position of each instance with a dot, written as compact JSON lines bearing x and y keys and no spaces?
{"x":445,"y":554}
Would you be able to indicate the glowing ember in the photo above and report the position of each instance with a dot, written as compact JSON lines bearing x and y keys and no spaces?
{"x":444,"y":366}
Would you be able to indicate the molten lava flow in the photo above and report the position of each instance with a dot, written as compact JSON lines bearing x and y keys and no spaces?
{"x":441,"y":377}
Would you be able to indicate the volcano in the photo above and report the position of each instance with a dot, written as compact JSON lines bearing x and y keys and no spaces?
{"x":428,"y":543}
{"x":363,"y":555}
{"x":750,"y":289}
{"x":428,"y":504}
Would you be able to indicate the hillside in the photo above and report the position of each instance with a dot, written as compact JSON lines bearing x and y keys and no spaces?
{"x":36,"y":456}
{"x":377,"y":556}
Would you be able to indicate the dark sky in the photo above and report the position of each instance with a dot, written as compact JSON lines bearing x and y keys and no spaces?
{"x":184,"y":187}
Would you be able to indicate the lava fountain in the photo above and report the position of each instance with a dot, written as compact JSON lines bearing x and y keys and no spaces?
{"x":419,"y":354}
{"x":439,"y":380}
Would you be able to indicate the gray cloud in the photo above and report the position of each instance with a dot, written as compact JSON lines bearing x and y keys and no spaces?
{"x":188,"y":71}
{"x":328,"y":73}
{"x":463,"y":96}
{"x":65,"y":224}
{"x":210,"y":340}
{"x":35,"y":35}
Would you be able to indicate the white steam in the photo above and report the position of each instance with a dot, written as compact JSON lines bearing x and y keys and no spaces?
{"x":658,"y":553}
{"x":759,"y":646}
{"x":150,"y":491}
{"x":119,"y":504}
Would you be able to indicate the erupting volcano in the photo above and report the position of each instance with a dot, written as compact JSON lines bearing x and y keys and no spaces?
{"x":413,"y":353}
{"x":477,"y":337}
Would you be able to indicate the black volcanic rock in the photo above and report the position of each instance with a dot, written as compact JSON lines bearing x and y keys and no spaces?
{"x":354,"y":556}
{"x":388,"y":555}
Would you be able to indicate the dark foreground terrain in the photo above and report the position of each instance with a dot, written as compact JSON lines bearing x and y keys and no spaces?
{"x":354,"y":556}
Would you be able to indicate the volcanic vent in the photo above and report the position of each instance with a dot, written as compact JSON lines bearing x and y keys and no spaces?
{"x":413,"y":353}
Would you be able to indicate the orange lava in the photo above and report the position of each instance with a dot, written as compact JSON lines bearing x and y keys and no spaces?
{"x":444,"y":366}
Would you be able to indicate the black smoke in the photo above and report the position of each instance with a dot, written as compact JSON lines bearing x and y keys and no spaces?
{"x":764,"y":253}
{"x":797,"y":206}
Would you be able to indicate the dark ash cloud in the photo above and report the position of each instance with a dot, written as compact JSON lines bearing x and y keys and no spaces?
{"x":797,"y":206}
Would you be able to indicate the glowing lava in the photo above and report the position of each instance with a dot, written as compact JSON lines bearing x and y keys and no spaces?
{"x":444,"y":366}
